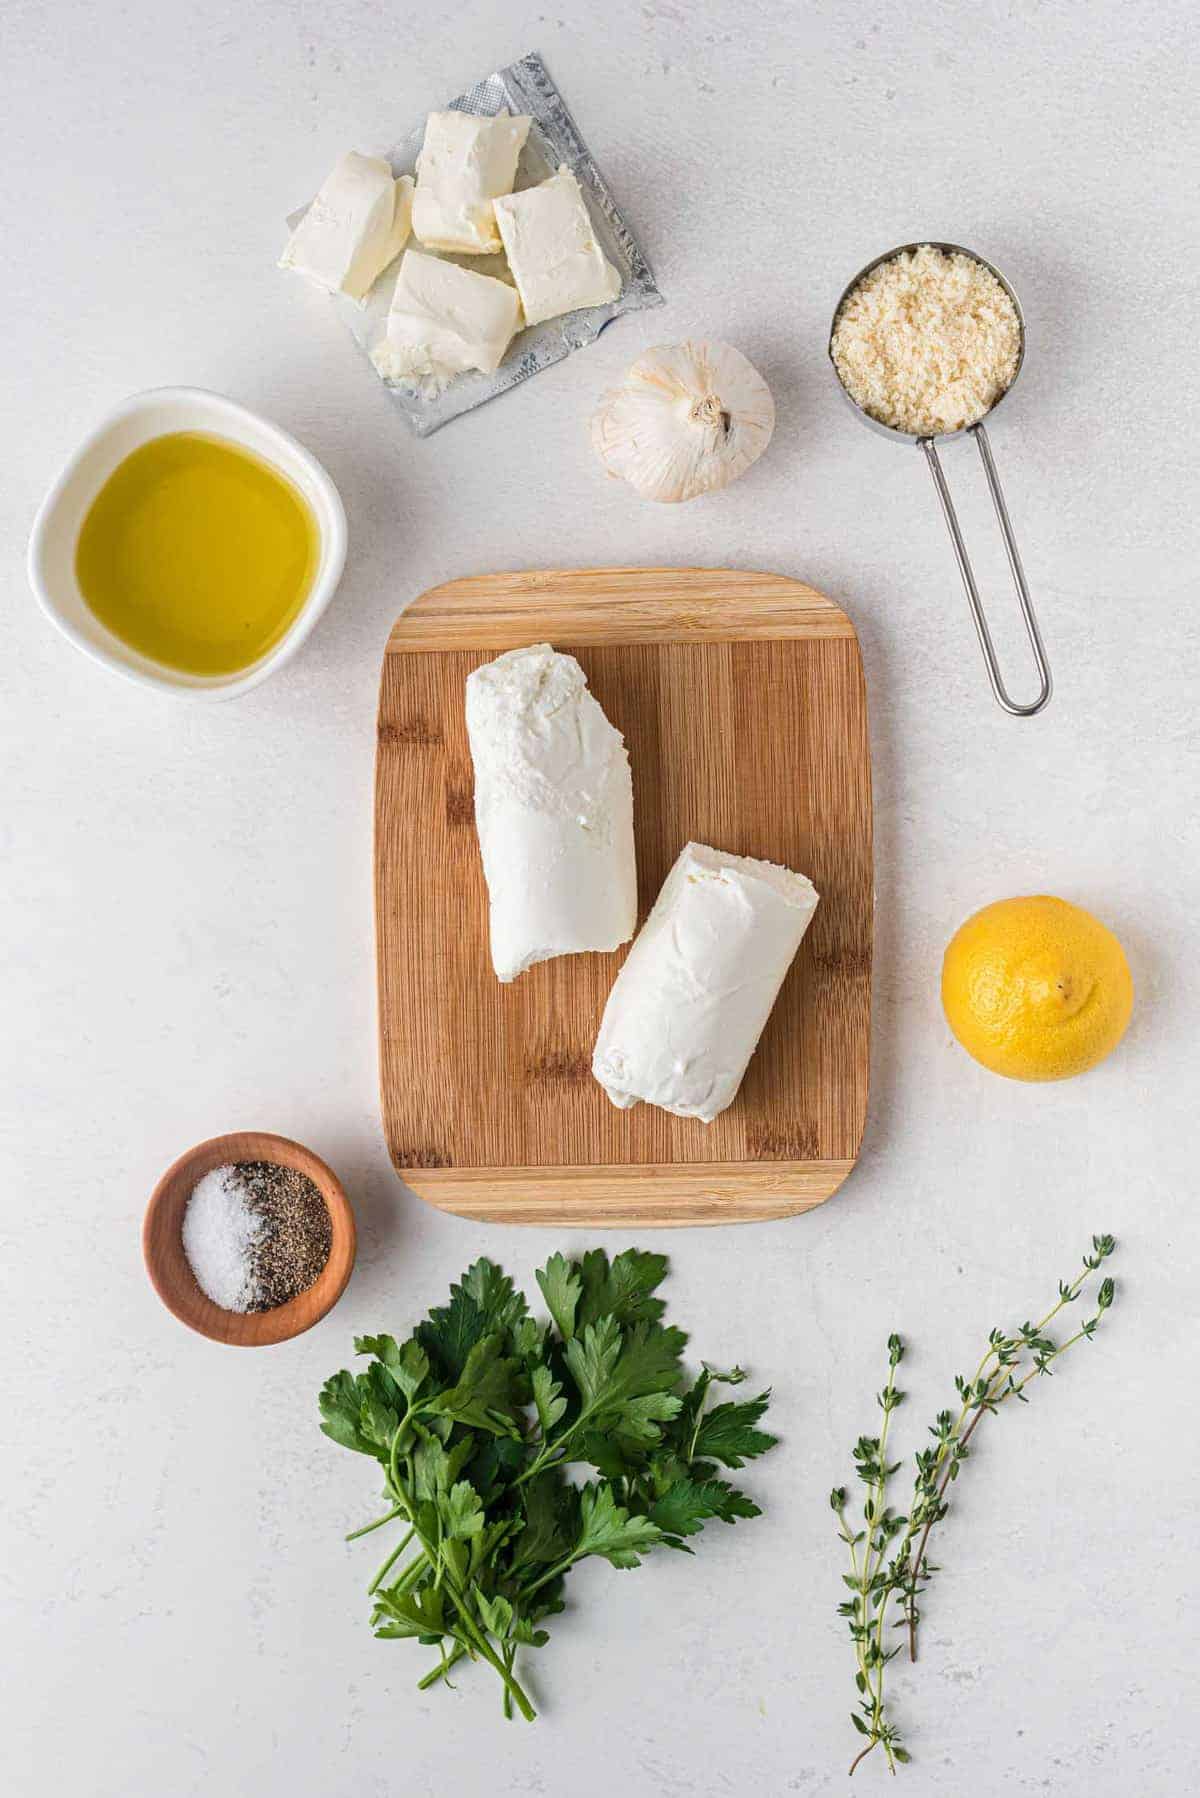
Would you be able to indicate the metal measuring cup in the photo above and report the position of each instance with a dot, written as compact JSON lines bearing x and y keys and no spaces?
{"x":929,"y":446}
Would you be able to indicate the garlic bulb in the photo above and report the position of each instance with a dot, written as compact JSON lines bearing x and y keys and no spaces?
{"x":688,"y":418}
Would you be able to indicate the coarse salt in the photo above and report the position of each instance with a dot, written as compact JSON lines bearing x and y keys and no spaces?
{"x":927,"y":342}
{"x":219,"y":1231}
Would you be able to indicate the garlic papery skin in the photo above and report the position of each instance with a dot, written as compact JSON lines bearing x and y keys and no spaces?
{"x":687,"y":419}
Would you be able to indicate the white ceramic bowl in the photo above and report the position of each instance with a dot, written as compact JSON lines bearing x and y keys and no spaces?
{"x":142,"y":417}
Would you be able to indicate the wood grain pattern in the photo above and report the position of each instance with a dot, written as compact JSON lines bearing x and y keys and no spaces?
{"x":742,"y":703}
{"x":171,"y":1273}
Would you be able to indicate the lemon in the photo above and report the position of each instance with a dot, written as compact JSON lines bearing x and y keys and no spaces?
{"x":1036,"y":988}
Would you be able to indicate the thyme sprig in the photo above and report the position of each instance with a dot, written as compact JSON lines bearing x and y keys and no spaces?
{"x":889,"y":1564}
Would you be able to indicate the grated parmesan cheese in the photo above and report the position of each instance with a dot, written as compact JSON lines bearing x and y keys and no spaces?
{"x":927,"y":342}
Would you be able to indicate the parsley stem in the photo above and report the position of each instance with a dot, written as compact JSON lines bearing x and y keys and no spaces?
{"x":549,"y":1456}
{"x":390,"y":1563}
{"x":468,"y":1633}
{"x":442,"y":1669}
{"x":377,"y":1525}
{"x":480,"y":1645}
{"x":545,"y":1578}
{"x":405,"y":1581}
{"x":393,"y":1469}
{"x":545,"y":1461}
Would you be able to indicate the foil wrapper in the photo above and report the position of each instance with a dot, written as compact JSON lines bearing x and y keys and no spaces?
{"x":522,"y":87}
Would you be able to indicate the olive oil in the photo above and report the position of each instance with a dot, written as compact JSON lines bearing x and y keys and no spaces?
{"x":197,"y":554}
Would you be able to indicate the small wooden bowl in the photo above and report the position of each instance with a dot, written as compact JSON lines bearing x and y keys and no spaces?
{"x":170,"y":1271}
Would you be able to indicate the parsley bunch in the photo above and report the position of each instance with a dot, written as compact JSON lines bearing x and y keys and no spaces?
{"x":474,"y":1420}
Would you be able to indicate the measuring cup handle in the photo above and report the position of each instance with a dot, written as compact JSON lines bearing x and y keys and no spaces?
{"x":968,"y":577}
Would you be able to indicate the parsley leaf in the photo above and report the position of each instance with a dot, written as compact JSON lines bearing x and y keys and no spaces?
{"x":461,"y":1512}
{"x":340,"y":1406}
{"x":489,"y":1392}
{"x":547,"y":1398}
{"x":623,"y":1290}
{"x":607,"y":1529}
{"x":408,"y":1365}
{"x":727,"y":1433}
{"x":684,"y":1507}
{"x":496,"y":1612}
{"x":550,"y":1522}
{"x":399,"y":1614}
{"x":435,"y":1468}
{"x":495,"y":1464}
{"x":501,"y":1306}
{"x":592,"y":1359}
{"x":561,"y":1289}
{"x":611,"y":1366}
{"x":482,"y":1302}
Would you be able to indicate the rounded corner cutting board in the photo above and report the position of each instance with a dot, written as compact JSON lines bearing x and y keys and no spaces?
{"x":742,"y":703}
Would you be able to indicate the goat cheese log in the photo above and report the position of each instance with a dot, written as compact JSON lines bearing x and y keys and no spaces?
{"x":688,"y":1007}
{"x":554,"y":810}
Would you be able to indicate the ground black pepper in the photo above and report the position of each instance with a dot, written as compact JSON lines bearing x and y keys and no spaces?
{"x":294,"y":1247}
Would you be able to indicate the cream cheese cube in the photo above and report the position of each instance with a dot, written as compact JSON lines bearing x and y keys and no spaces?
{"x":445,"y":320}
{"x":358,"y":223}
{"x":552,"y":251}
{"x":694,"y":994}
{"x":465,"y":163}
{"x":554,"y":810}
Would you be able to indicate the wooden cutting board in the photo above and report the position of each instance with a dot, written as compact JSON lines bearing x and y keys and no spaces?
{"x":742,"y":703}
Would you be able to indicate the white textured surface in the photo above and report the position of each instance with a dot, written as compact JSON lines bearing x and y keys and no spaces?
{"x":186,"y":898}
